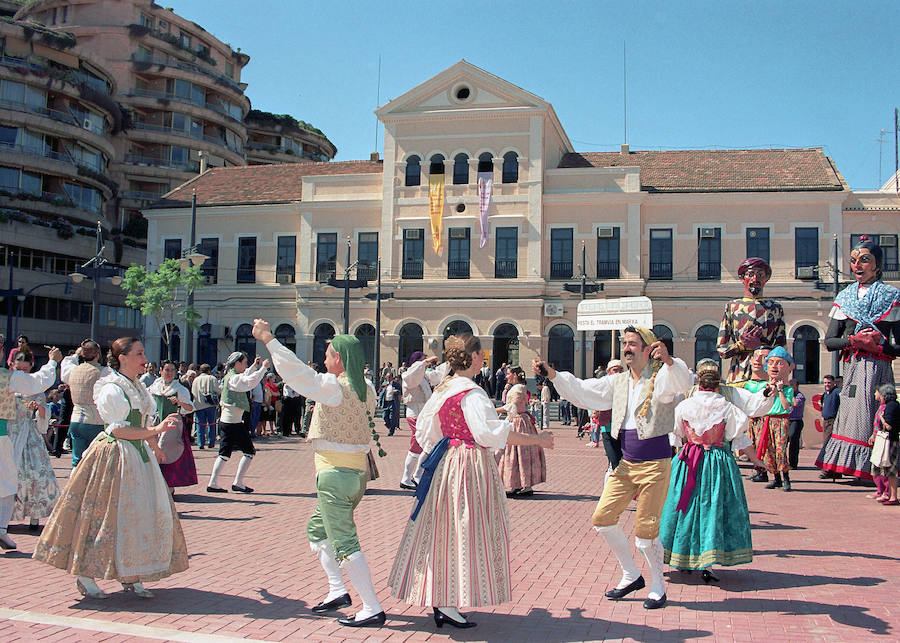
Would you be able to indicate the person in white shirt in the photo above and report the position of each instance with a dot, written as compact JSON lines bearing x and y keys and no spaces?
{"x":233,"y":422}
{"x":419,"y":381}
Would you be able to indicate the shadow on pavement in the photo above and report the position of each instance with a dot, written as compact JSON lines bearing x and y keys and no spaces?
{"x":186,"y":515}
{"x":766,"y":525}
{"x":539,"y":495}
{"x":191,"y":498}
{"x":787,"y":553}
{"x":850,"y":615}
{"x":752,"y":580}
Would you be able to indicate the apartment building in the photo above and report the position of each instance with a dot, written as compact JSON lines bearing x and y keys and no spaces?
{"x":672,"y":226}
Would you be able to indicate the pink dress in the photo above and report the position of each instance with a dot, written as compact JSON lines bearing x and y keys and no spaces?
{"x":521,"y":466}
{"x":456,"y":551}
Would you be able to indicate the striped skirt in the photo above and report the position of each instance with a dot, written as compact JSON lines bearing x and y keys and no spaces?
{"x":456,"y":552}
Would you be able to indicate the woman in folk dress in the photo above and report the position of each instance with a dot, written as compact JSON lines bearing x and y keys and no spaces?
{"x":115,"y":519}
{"x":521,"y":467}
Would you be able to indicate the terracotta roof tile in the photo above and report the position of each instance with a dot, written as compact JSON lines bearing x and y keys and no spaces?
{"x":766,"y":170}
{"x":250,"y":184}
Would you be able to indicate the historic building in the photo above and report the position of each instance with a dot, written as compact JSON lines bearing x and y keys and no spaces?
{"x":672,"y":226}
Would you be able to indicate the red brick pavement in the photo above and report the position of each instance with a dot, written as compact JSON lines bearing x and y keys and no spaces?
{"x":826,"y":567}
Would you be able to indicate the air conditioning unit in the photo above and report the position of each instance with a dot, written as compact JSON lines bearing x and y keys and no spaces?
{"x":707,"y":233}
{"x":458,"y":233}
{"x":283,"y":278}
{"x":887,"y":240}
{"x":412,"y":233}
{"x":605,"y":232}
{"x":807,"y":272}
{"x":553,"y":310}
{"x":86,"y":124}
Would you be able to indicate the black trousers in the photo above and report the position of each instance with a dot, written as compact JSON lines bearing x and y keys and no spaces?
{"x":291,"y":415}
{"x":795,"y":428}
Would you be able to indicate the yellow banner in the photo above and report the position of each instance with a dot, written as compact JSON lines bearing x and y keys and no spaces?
{"x":436,"y":200}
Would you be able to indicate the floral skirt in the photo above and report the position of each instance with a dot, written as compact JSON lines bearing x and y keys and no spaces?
{"x":522,"y":466}
{"x":38,"y":491}
{"x":456,"y":551}
{"x":115,"y":519}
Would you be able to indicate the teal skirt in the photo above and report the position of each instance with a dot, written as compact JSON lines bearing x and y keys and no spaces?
{"x":715,"y":528}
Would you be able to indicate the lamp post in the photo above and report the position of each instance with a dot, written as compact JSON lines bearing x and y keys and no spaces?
{"x":378,"y":296}
{"x":583,"y":287}
{"x":346,"y":283}
{"x":95,"y":268}
{"x":193,"y":255}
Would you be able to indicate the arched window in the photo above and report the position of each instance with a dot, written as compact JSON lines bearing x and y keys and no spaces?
{"x":365,"y":333}
{"x":410,"y":341}
{"x":413,"y":171}
{"x":506,"y":345}
{"x":323,"y":334}
{"x":705,"y":344}
{"x":561,"y":348}
{"x":664,"y":333}
{"x":170,"y":344}
{"x":207,"y":352}
{"x":456,"y":327}
{"x":485,"y":162}
{"x":806,"y":355}
{"x":286,"y":335}
{"x":460,"y":169}
{"x":436,"y":164}
{"x":510,"y":167}
{"x":244,"y":341}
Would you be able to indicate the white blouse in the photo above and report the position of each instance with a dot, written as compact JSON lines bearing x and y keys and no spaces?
{"x":33,"y":383}
{"x":484,"y":424}
{"x":113,"y":404}
{"x":159,"y":387}
{"x":705,"y":409}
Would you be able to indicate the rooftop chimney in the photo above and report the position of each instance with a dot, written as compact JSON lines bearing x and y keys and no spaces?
{"x":373,"y":157}
{"x":624,"y":148}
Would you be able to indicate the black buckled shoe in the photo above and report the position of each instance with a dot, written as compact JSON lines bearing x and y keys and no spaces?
{"x":216,"y":490}
{"x":244,"y":489}
{"x":376,"y":620}
{"x":335,"y":604}
{"x":655,"y":603}
{"x":634,"y":586}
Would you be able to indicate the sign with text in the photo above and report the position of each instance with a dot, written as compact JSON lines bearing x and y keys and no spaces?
{"x":615,"y":314}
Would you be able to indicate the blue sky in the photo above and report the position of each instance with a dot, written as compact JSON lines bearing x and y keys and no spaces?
{"x":720,"y":74}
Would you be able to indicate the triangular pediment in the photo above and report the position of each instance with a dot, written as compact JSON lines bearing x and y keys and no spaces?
{"x":461,"y":87}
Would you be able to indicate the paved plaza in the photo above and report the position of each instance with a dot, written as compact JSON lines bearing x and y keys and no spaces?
{"x":826,"y":567}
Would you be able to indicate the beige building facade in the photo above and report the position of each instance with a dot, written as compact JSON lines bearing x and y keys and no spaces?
{"x":672,"y":226}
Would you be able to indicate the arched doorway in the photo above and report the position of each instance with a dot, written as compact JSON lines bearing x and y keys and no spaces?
{"x":286,"y":335}
{"x":602,"y":348}
{"x":323,"y":334}
{"x":561,"y":348}
{"x":410,"y":341}
{"x":506,"y":346}
{"x":806,"y":355}
{"x":207,"y":352}
{"x":664,"y":333}
{"x":456,"y":327}
{"x":171,"y":349}
{"x":365,"y":333}
{"x":244,"y":341}
{"x":705,"y":344}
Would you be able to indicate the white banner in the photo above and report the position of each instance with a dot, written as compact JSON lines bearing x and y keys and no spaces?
{"x":615,"y":314}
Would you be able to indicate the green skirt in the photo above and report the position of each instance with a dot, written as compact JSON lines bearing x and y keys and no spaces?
{"x":715,"y":528}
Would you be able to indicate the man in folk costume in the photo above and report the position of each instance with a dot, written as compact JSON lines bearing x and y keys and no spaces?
{"x":12,"y":382}
{"x":749,"y":322}
{"x":80,"y":372}
{"x":340,"y":432}
{"x":758,"y":380}
{"x":418,"y":383}
{"x":642,"y":399}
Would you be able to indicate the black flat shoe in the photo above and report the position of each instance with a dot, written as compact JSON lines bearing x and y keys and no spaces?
{"x":234,"y":487}
{"x":761,"y":476}
{"x":513,"y":493}
{"x":216,"y":490}
{"x":335,"y":604}
{"x":708,"y":576}
{"x":774,"y":484}
{"x":440,"y":618}
{"x":634,"y":586}
{"x":376,"y":620}
{"x":526,"y":493}
{"x":655,"y":603}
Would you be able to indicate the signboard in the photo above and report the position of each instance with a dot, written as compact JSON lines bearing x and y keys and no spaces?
{"x":615,"y":314}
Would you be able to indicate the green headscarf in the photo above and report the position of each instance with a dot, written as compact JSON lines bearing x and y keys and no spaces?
{"x":354,"y":361}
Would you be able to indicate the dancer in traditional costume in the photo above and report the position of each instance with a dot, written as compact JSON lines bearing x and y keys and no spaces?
{"x":80,"y":372}
{"x":38,"y":492}
{"x":521,"y":466}
{"x":234,"y":420}
{"x":705,"y":520}
{"x":757,"y":382}
{"x":340,"y":432}
{"x":455,"y":549}
{"x":772,"y":439}
{"x":865,"y":326}
{"x":115,"y":519}
{"x":643,"y":401}
{"x":419,"y":381}
{"x":12,"y":382}
{"x":750,"y":321}
{"x":172,"y":397}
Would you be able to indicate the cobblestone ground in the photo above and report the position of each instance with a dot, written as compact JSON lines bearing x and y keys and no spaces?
{"x":826,"y":567}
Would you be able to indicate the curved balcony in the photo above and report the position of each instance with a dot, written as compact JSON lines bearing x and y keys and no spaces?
{"x":47,"y":161}
{"x":161,"y":134}
{"x":143,"y":64}
{"x":155,"y":100}
{"x":48,"y":204}
{"x":60,"y":124}
{"x":271,"y":153}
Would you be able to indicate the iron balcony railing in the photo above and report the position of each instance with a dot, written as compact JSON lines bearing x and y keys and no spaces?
{"x":325,"y":271}
{"x":607,"y":270}
{"x":412,"y":269}
{"x":457,"y":269}
{"x":182,"y":99}
{"x":660,"y":270}
{"x":140,"y":159}
{"x":560,"y":270}
{"x":162,"y":129}
{"x":506,"y":269}
{"x":367,"y":271}
{"x":709,"y":270}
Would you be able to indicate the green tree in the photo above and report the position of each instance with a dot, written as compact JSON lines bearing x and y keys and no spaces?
{"x":163,"y":293}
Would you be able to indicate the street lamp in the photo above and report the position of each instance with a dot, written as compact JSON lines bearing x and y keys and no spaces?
{"x":95,"y":268}
{"x":583,"y":288}
{"x":346,"y":283}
